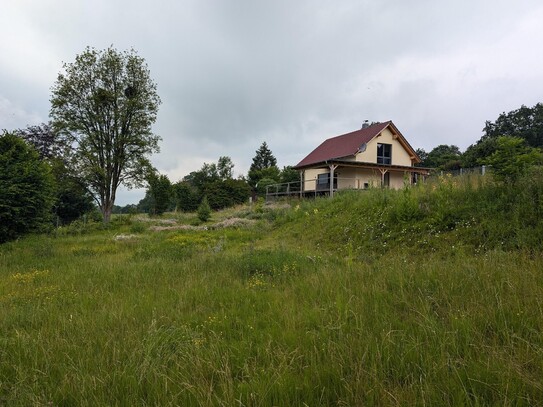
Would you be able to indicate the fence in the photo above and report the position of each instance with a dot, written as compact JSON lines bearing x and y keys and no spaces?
{"x":295,"y":188}
{"x":461,"y":171}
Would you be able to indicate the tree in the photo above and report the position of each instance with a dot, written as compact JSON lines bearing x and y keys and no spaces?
{"x":26,"y":187}
{"x":49,"y":144}
{"x":225,"y":168}
{"x":204,"y":211}
{"x":289,"y":174}
{"x":525,"y":122}
{"x":423,"y":155}
{"x":230,"y":192}
{"x":72,"y":199}
{"x":477,"y":153}
{"x":512,"y":158}
{"x":160,"y":192}
{"x":264,"y":158}
{"x":264,"y":165}
{"x":186,"y":196}
{"x":445,"y":157}
{"x":106,"y":102}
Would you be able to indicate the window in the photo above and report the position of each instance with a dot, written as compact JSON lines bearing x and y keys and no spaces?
{"x":323,"y":181}
{"x":384,"y":153}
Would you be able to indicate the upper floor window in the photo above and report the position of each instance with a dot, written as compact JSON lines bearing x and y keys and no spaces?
{"x":384,"y":153}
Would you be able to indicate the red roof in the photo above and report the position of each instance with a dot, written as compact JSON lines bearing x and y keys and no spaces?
{"x":344,"y":145}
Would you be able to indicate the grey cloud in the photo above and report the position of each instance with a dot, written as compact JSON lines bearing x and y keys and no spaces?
{"x":234,"y":74}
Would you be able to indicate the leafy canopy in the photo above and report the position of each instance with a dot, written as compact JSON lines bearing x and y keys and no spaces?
{"x":26,"y":189}
{"x":524,"y":122}
{"x":512,"y":158}
{"x":264,"y":165}
{"x":106,"y":102}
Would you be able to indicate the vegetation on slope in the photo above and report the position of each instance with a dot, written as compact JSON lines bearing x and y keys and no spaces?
{"x":360,"y":300}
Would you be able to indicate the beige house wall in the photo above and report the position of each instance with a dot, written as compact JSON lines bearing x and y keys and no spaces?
{"x":310,"y":177}
{"x":399,"y":155}
{"x":354,"y":178}
{"x":397,"y":179}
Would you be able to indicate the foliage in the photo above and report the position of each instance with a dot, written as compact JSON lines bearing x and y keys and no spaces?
{"x":525,"y":122}
{"x":444,"y":157}
{"x":289,"y":174}
{"x":264,"y":158}
{"x":186,"y":196}
{"x":107,"y":102}
{"x":72,"y":200}
{"x":284,"y":314}
{"x":423,"y":155}
{"x":48,"y":143}
{"x":160,"y":192}
{"x":225,"y":168}
{"x":513,"y":158}
{"x":26,"y":189}
{"x":204,"y":210}
{"x":215,"y":181}
{"x":223,"y":194}
{"x":477,"y":153}
{"x":264,"y":165}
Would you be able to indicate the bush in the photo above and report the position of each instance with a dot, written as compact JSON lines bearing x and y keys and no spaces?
{"x":26,"y":187}
{"x":204,"y":210}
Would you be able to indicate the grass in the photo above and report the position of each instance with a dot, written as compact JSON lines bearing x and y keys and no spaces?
{"x":307,"y":306}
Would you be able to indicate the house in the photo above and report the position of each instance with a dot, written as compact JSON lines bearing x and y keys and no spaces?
{"x":376,"y":155}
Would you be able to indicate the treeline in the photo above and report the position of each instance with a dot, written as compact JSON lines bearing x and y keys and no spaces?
{"x":43,"y":183}
{"x":214,"y":182}
{"x":37,"y":190}
{"x":519,"y":131}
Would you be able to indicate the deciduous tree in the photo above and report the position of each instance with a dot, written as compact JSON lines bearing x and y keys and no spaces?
{"x":524,"y":122}
{"x":512,"y":158}
{"x":106,"y":102}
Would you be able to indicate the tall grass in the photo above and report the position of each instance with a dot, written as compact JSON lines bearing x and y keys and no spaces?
{"x":309,"y":312}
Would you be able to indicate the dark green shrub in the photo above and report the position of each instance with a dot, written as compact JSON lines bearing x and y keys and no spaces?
{"x":204,"y":210}
{"x":26,"y":189}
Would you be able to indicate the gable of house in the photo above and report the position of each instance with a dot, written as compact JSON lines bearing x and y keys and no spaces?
{"x":370,"y":145}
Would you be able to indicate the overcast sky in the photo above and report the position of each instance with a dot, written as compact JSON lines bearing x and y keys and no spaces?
{"x":232,"y":74}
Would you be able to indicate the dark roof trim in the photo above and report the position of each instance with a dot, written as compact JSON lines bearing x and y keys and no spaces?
{"x":361,"y":164}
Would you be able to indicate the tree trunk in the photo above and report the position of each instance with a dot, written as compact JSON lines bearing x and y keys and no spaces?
{"x":106,"y":211}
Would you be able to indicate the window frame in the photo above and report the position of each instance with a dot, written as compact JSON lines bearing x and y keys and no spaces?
{"x":384,"y":158}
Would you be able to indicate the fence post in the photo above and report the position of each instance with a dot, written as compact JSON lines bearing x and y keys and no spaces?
{"x":483,"y":170}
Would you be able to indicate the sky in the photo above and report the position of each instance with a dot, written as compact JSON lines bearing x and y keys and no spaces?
{"x":235,"y":73}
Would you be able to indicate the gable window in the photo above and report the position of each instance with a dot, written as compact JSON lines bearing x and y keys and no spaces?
{"x":384,"y":153}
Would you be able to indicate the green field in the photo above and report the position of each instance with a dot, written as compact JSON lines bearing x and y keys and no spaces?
{"x":427,"y":296}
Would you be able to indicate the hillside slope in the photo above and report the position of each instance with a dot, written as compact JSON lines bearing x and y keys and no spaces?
{"x":450,"y":213}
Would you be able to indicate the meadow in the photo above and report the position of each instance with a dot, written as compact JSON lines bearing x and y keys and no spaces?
{"x":432,"y":295}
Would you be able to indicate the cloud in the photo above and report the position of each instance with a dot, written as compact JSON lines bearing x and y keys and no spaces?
{"x":234,"y":74}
